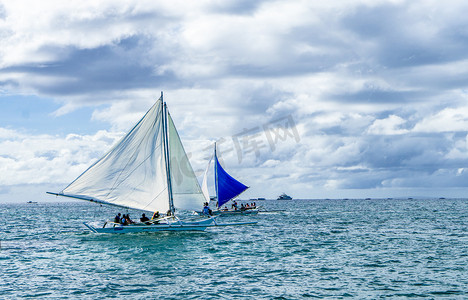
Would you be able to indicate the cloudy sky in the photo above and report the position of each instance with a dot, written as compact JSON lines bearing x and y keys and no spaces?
{"x":318,"y":99}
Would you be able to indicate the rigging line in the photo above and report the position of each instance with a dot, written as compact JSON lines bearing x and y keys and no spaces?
{"x":155,"y":197}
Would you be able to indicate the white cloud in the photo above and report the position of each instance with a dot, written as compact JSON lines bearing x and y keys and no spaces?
{"x":388,"y":126}
{"x":446,"y":120}
{"x":271,"y":163}
{"x":45,"y":159}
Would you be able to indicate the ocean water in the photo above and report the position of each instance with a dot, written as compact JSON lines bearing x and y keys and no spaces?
{"x":332,"y":249}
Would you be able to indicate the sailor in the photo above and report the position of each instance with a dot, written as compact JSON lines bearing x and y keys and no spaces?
{"x":206,"y":210}
{"x":155,"y":215}
{"x":143,"y":218}
{"x":129,"y":221}
{"x":123,"y":220}
{"x":117,"y":218}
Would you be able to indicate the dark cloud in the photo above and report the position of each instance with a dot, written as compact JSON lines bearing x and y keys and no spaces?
{"x":9,"y":84}
{"x":402,"y":150}
{"x":398,"y":35}
{"x":377,"y":96}
{"x":100,"y":69}
{"x":401,"y":161}
{"x":237,"y":7}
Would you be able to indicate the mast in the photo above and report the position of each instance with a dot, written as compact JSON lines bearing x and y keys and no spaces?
{"x":166,"y":155}
{"x":216,"y":175}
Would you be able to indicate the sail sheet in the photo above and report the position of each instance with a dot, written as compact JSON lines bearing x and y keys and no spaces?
{"x":132,"y":174}
{"x":186,"y":190}
{"x":227,"y":186}
{"x":205,"y":191}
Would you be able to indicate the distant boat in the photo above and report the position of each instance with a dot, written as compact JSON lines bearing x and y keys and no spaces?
{"x":30,"y":202}
{"x":227,"y":188}
{"x":143,"y":172}
{"x":283,"y":196}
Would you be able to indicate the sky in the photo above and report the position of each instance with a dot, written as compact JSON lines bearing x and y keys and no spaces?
{"x":317,"y":99}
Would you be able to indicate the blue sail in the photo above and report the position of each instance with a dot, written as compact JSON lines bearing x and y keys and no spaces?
{"x":227,"y":186}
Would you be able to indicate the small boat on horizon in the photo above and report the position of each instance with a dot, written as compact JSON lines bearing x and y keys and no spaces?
{"x":283,"y":196}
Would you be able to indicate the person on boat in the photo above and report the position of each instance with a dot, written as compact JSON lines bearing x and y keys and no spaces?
{"x":169,"y":213}
{"x":123,"y":220}
{"x":117,"y":218}
{"x":242,"y":207}
{"x":206,"y":210}
{"x":234,"y":205}
{"x":129,"y":221}
{"x":144,"y":218}
{"x":247,"y":206}
{"x":155,"y":215}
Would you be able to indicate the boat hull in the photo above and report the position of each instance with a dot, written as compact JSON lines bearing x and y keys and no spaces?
{"x":231,"y":212}
{"x":236,"y":212}
{"x":176,"y":226}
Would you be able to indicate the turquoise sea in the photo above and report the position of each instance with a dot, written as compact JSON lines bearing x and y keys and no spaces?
{"x":331,"y":249}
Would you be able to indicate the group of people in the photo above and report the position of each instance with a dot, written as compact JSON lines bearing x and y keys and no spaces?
{"x":243,"y":207}
{"x":125,"y":218}
{"x":247,"y":206}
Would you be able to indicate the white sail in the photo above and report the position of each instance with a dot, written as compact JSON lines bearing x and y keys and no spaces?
{"x":133,"y":173}
{"x":205,"y":191}
{"x":186,"y":190}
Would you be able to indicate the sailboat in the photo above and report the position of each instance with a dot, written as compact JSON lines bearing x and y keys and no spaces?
{"x":147,"y":170}
{"x":227,"y":188}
